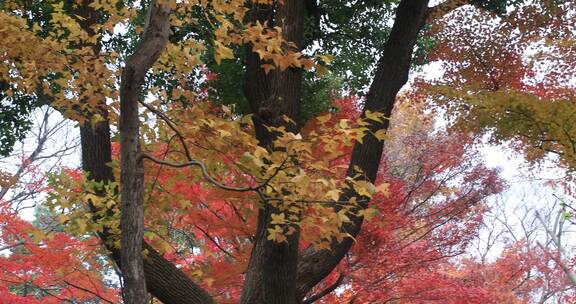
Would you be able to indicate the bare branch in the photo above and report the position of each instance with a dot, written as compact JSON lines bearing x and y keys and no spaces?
{"x":326,"y":291}
{"x":571,"y":275}
{"x":170,"y":124}
{"x":203,"y":169}
{"x":89,"y":291}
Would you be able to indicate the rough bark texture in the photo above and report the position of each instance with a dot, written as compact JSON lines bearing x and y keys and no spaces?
{"x":271,"y":273}
{"x":132,"y":169}
{"x":256,"y":82}
{"x":391,"y":75}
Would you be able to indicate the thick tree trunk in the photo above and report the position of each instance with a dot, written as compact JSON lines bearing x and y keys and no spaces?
{"x":271,"y":273}
{"x":391,"y":75}
{"x":256,"y":82}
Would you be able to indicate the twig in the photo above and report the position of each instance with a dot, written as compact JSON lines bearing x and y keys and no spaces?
{"x":571,"y":275}
{"x":88,"y":291}
{"x":170,"y":124}
{"x":214,"y":241}
{"x":204,"y":171}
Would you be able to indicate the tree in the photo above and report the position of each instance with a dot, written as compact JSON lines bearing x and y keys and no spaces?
{"x":530,"y":268}
{"x":500,"y":72}
{"x":305,"y":215}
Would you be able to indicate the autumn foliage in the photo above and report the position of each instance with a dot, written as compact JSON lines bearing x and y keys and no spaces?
{"x":336,"y":193}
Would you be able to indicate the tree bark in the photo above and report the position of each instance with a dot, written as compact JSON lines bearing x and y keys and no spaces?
{"x":271,"y":273}
{"x":132,"y":168}
{"x":391,"y":75}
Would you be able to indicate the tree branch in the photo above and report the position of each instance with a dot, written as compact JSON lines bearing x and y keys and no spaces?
{"x":569,"y":273}
{"x":203,"y":169}
{"x":326,"y":291}
{"x":88,"y":291}
{"x":172,"y":126}
{"x":442,"y":9}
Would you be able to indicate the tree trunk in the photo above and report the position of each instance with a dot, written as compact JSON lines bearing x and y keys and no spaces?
{"x":161,"y":275}
{"x":132,"y":168}
{"x":391,"y":75}
{"x":271,"y":273}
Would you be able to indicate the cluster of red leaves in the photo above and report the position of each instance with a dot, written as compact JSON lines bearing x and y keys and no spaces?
{"x":517,"y":275}
{"x":405,"y":254}
{"x":41,"y":266}
{"x":434,"y":207}
{"x":531,"y":49}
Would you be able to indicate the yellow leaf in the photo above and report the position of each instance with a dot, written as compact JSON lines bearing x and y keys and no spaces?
{"x":327,"y":58}
{"x":322,"y":245}
{"x":267,"y":68}
{"x":291,"y":230}
{"x":222,"y":52}
{"x":380,"y":134}
{"x":376,"y":116}
{"x":63,"y":218}
{"x":342,"y":218}
{"x":324,"y":118}
{"x":275,"y":234}
{"x":226,"y":110}
{"x":198,"y":273}
{"x":224,"y":133}
{"x":333,"y":194}
{"x":368,"y":213}
{"x":209,"y":281}
{"x":278,"y":219}
{"x":364,"y":188}
{"x":82,"y":225}
{"x":38,"y":235}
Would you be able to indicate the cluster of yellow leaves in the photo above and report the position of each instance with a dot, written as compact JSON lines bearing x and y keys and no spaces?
{"x":305,"y":185}
{"x":291,"y":177}
{"x":26,"y":56}
{"x":62,"y":67}
{"x":116,"y":14}
{"x":538,"y":126}
{"x":301,"y":177}
{"x":71,"y":198}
